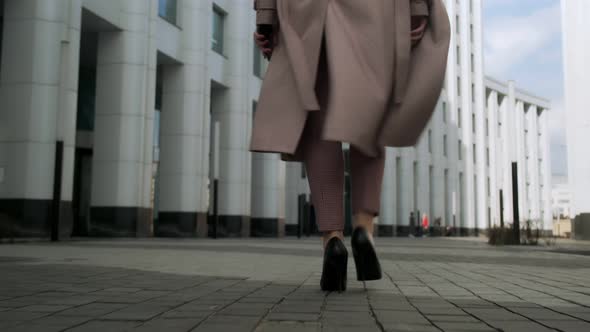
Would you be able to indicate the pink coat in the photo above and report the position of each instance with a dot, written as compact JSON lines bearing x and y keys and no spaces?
{"x":388,"y":90}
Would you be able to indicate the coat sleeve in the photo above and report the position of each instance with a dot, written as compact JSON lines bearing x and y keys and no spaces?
{"x":266,"y":12}
{"x":419,"y":8}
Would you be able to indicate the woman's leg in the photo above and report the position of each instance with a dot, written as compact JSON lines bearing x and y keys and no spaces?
{"x":324,"y":165}
{"x":366,"y":178}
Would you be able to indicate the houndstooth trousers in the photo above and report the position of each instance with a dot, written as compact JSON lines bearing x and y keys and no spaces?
{"x":324,"y":163}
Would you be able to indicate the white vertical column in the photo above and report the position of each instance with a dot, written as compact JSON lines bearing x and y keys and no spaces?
{"x":511,"y":146}
{"x":546,"y":172}
{"x":268,"y":195}
{"x":150,"y":106}
{"x":480,"y":139}
{"x":453,"y":133}
{"x":534,"y":165}
{"x":493,"y":146}
{"x":388,"y":208}
{"x":184,"y":143}
{"x":29,"y":103}
{"x":235,"y":115}
{"x":122,"y":95}
{"x":407,"y":185}
{"x":576,"y":53}
{"x":520,"y":158}
{"x":467,"y":106}
{"x":504,"y":171}
{"x":68,"y":106}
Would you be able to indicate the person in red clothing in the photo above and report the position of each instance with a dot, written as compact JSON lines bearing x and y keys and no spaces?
{"x":425,"y":223}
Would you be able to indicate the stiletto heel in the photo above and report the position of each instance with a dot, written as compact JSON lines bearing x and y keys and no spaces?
{"x":335,"y":266}
{"x":365,"y":257}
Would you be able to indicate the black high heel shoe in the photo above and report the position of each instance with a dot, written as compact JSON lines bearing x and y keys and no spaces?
{"x":365,"y":257}
{"x":335,"y":265}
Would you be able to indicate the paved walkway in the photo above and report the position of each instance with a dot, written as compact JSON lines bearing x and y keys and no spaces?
{"x":273,"y":285}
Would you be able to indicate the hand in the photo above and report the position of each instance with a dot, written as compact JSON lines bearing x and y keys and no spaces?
{"x":265,"y":45}
{"x":418,"y":27}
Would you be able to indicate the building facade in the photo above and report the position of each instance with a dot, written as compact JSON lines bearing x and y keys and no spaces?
{"x":141,"y":105}
{"x":561,"y":197}
{"x":576,"y":51}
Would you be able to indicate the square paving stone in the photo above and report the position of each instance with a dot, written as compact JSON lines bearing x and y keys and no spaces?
{"x":177,"y":314}
{"x":74,"y":300}
{"x":519,"y":326}
{"x":168,"y":325}
{"x":540,"y":313}
{"x":449,"y":318}
{"x":464,"y":327}
{"x":494,"y":314}
{"x":299,"y":307}
{"x":21,"y":302}
{"x":249,"y":299}
{"x":92,"y":309}
{"x":337,"y":307}
{"x":340,"y":328}
{"x":580,"y":315}
{"x":348,"y":318}
{"x":240,"y":309}
{"x":136,"y":313}
{"x":293,"y":316}
{"x":273,"y":326}
{"x":520,"y":304}
{"x":102,"y":326}
{"x":44,"y":308}
{"x":14,"y":315}
{"x":405,"y":317}
{"x":399,"y":306}
{"x":399,"y":327}
{"x":29,"y":327}
{"x":228,"y":323}
{"x":451,"y":311}
{"x":567,"y":326}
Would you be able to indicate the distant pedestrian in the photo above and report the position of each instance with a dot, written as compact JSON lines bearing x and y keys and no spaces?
{"x":413,"y":223}
{"x":425,"y":223}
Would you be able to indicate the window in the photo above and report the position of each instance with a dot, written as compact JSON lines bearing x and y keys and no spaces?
{"x":458,"y":86}
{"x":430,"y":140}
{"x":488,"y":156}
{"x":444,"y":111}
{"x":487,"y":127}
{"x":474,"y":153}
{"x":460,"y":150}
{"x":473,"y":92}
{"x":458,"y":55}
{"x":167,"y":9}
{"x":457,"y":25}
{"x":471,"y":32}
{"x":445,"y":145}
{"x":217,"y":31}
{"x":459,"y":117}
{"x":473,"y":122}
{"x":472,"y":63}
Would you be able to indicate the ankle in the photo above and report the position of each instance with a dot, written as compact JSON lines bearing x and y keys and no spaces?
{"x":364,"y":219}
{"x":326,"y":236}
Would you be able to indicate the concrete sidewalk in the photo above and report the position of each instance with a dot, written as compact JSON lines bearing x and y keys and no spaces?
{"x":273,"y":285}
